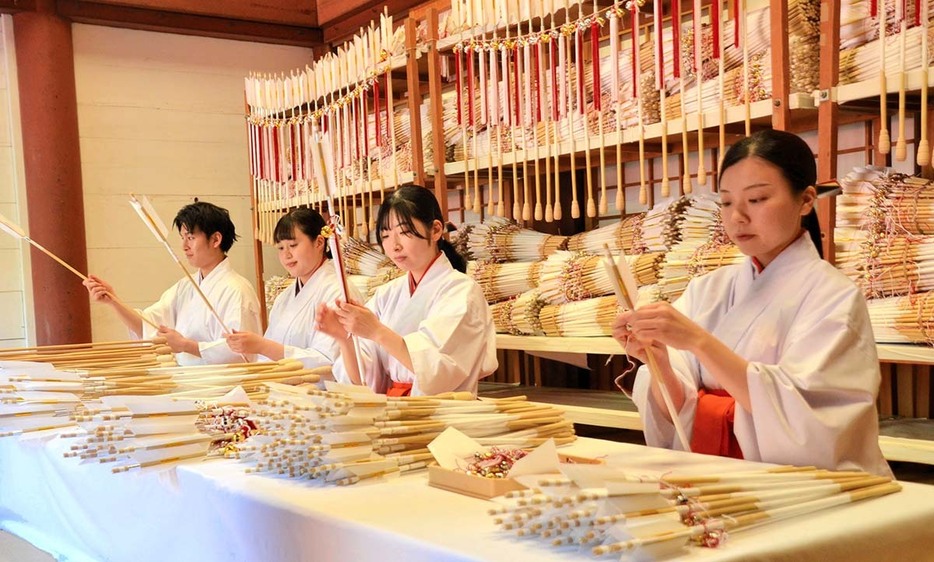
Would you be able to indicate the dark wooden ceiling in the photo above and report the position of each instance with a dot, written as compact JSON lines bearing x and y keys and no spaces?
{"x":317,"y":24}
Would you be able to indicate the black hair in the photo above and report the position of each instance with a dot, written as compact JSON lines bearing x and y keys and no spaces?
{"x":792,"y":156}
{"x":308,"y":220}
{"x":414,"y":202}
{"x":207,"y":218}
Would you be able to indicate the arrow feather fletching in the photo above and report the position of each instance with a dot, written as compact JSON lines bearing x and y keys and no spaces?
{"x":145,"y":217}
{"x":11,"y":228}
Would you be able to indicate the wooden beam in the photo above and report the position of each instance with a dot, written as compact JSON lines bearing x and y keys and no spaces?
{"x":905,"y":387}
{"x":14,"y":6}
{"x":434,"y":111}
{"x":422,"y":11}
{"x":44,"y":52}
{"x":335,"y":10}
{"x":283,"y":12}
{"x":923,"y":391}
{"x":257,"y":243}
{"x":350,"y":21}
{"x":415,"y":101}
{"x":886,"y":405}
{"x":827,"y":119}
{"x":778,"y":27}
{"x":189,"y":24}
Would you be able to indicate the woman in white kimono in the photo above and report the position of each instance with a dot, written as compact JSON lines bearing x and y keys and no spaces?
{"x":291,"y":333}
{"x":184,"y":320}
{"x":773,"y":359}
{"x":428,"y":332}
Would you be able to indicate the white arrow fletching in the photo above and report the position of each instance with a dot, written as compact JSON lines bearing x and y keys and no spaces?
{"x":621,"y":277}
{"x":327,"y":151}
{"x":154,"y":215}
{"x":612,"y":272}
{"x":322,"y":155}
{"x":629,"y":280}
{"x":337,"y":259}
{"x":144,"y":216}
{"x":317,"y":158}
{"x":11,"y":228}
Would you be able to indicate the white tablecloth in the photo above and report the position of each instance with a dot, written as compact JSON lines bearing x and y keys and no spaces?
{"x":214,"y":511}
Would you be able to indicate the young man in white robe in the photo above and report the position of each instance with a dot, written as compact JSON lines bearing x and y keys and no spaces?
{"x":773,"y":359}
{"x":428,"y":332}
{"x":300,"y":238}
{"x":184,"y":319}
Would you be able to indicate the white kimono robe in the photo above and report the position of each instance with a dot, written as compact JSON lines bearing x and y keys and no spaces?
{"x":182,"y":309}
{"x":813,"y":372}
{"x":447,"y":327}
{"x":292,"y":319}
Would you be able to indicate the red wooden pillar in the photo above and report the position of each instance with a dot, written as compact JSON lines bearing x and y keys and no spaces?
{"x":54,"y":198}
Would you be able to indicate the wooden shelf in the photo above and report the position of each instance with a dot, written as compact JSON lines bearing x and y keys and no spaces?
{"x":868,"y":90}
{"x":913,"y":354}
{"x":907,"y":450}
{"x":888,"y":352}
{"x":598,"y":345}
{"x":907,"y":439}
{"x":900,"y":440}
{"x":589,"y":407}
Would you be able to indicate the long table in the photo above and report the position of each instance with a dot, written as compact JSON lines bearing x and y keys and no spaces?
{"x":214,"y":511}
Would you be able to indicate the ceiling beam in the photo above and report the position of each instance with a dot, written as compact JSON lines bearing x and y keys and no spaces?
{"x":421,"y":12}
{"x":333,"y":10}
{"x":336,"y":31}
{"x":189,"y":24}
{"x":285,"y":12}
{"x":13,"y":6}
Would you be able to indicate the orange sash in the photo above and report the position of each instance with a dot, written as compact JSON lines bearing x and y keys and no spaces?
{"x":400,"y":389}
{"x":713,"y":425}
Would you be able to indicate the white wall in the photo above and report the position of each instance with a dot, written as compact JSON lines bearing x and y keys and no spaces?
{"x":162,"y":115}
{"x":16,"y":325}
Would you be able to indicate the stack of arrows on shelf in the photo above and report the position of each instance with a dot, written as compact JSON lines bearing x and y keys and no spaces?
{"x":884,"y":241}
{"x":624,"y":235}
{"x":504,"y":280}
{"x":362,"y":259}
{"x":504,"y":241}
{"x":702,"y":247}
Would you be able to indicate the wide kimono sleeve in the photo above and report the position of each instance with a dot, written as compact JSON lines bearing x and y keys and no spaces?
{"x":659,"y":431}
{"x":816,"y":405}
{"x":161,"y":313}
{"x":238,"y":307}
{"x":321,"y":349}
{"x":454,"y":345}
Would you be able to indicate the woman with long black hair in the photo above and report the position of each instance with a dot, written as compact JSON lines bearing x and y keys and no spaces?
{"x":428,"y":332}
{"x":772,"y":359}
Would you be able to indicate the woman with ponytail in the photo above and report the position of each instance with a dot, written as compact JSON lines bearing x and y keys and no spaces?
{"x":303,"y":252}
{"x":428,"y":332}
{"x":773,"y":359}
